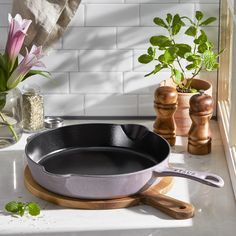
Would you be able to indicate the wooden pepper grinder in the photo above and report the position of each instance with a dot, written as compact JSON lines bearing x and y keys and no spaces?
{"x":201,"y":109}
{"x":165,"y":105}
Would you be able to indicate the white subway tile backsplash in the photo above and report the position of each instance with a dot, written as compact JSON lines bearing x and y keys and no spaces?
{"x":151,"y":1}
{"x":103,"y":1}
{"x":105,"y":60}
{"x":64,"y":105}
{"x":199,"y":1}
{"x":3,"y":37}
{"x":57,"y":44}
{"x":78,"y":19}
{"x":111,"y":105}
{"x":150,"y":11}
{"x":136,"y":83}
{"x":208,"y":11}
{"x":95,"y":82}
{"x":59,"y":83}
{"x":138,"y":37}
{"x":6,"y":1}
{"x":112,"y":15}
{"x":90,"y":38}
{"x":61,"y":60}
{"x":146,"y":105}
{"x":4,"y":10}
{"x":95,"y":71}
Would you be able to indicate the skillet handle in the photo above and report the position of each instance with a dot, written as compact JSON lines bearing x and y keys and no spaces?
{"x":170,"y":206}
{"x":202,"y":177}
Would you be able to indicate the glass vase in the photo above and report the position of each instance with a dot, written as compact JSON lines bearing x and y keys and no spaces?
{"x":10,"y":117}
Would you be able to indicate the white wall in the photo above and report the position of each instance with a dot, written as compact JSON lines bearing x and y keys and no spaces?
{"x":94,"y":66}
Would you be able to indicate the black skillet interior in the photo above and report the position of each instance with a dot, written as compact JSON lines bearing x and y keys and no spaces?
{"x":97,"y":149}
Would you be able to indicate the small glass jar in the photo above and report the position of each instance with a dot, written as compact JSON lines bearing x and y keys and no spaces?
{"x":33,"y":109}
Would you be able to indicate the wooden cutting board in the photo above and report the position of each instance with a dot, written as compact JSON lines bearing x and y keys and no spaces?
{"x":154,"y":196}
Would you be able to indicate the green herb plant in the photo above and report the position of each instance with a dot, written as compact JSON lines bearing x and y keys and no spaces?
{"x":196,"y":57}
{"x":19,"y":208}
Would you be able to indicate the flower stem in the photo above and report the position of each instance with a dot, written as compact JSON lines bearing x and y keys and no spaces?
{"x":10,"y":126}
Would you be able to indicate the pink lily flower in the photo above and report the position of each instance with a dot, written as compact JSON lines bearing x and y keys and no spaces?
{"x":31,"y":59}
{"x":16,"y":35}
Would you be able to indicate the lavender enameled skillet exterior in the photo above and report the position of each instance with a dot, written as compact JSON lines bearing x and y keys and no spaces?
{"x":134,"y":137}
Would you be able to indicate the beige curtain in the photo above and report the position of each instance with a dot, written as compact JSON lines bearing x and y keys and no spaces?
{"x":50,"y":19}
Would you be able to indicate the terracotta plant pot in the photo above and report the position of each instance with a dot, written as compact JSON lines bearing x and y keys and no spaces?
{"x":182,"y":118}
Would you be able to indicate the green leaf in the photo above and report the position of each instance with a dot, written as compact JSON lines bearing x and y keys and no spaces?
{"x":177,"y":76}
{"x":158,"y":67}
{"x":2,"y":61}
{"x":145,"y":59}
{"x":170,"y":55}
{"x":191,"y":31}
{"x":12,"y":207}
{"x":187,"y":54}
{"x":191,"y":66}
{"x":193,"y":90}
{"x":210,"y":45}
{"x":161,"y":58}
{"x":208,"y":21}
{"x":201,"y":39}
{"x":169,"y":18}
{"x":199,"y":15}
{"x":176,"y":29}
{"x":15,"y":65}
{"x":182,"y":49}
{"x":43,"y":73}
{"x":158,"y":21}
{"x":176,"y":24}
{"x":202,"y":48}
{"x":176,"y":20}
{"x":33,"y":208}
{"x":216,"y":66}
{"x":21,"y":209}
{"x":152,"y":72}
{"x":194,"y":58}
{"x":161,"y":41}
{"x":209,"y":60}
{"x":3,"y":82}
{"x":151,"y":51}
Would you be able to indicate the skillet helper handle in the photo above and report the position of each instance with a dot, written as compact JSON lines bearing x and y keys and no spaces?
{"x":170,"y":206}
{"x":202,"y":177}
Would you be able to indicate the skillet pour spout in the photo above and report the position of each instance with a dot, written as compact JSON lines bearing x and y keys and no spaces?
{"x":103,"y":161}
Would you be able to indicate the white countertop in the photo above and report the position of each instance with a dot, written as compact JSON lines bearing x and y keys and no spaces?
{"x":215,"y":209}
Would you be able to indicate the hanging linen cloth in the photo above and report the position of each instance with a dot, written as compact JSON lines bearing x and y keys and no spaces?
{"x":49,"y":18}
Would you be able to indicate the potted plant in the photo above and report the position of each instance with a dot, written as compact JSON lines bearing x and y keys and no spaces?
{"x":181,"y":59}
{"x":12,"y":72}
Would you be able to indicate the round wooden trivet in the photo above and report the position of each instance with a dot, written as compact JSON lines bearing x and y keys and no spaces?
{"x":153,"y":196}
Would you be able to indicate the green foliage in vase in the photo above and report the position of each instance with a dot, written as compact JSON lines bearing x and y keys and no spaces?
{"x":182,"y":57}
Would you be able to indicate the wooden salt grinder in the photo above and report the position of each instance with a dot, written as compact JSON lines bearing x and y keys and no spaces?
{"x":165,"y":105}
{"x":201,"y":109}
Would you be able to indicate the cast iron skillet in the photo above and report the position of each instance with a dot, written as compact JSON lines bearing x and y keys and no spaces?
{"x":103,"y":161}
